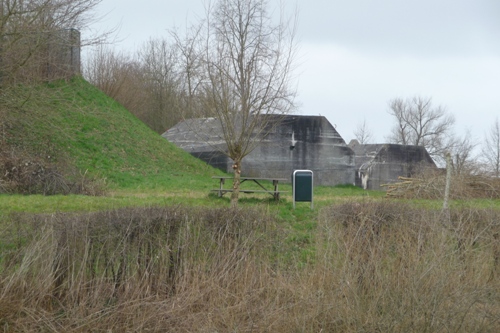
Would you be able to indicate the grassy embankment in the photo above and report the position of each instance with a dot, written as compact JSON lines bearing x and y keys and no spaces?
{"x":178,"y":260}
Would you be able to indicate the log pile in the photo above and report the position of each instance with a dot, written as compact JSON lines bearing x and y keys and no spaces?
{"x":433,"y":186}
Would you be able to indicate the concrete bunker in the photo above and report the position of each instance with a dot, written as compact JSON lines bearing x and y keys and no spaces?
{"x":298,"y":142}
{"x":305,"y":142}
{"x":378,"y":164}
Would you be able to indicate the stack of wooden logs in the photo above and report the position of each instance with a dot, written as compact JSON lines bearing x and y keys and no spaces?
{"x":432,"y":187}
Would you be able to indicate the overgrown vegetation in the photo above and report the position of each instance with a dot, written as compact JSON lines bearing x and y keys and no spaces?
{"x":29,"y":173}
{"x":377,"y":266}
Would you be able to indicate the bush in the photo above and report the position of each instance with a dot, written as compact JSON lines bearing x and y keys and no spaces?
{"x":392,"y":267}
{"x":127,"y":267}
{"x":26,"y":173}
{"x":378,"y":267}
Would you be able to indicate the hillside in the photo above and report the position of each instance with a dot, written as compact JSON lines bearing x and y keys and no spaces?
{"x":75,"y":123}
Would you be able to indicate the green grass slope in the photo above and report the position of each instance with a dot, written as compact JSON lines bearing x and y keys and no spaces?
{"x":96,"y":134}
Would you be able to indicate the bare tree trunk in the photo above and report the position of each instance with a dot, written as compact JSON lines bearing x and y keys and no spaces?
{"x":236,"y":183}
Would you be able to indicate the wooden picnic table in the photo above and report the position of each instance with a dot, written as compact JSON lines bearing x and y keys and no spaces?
{"x":275,"y":192}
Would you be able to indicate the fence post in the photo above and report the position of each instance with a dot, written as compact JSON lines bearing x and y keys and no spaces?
{"x":448,"y":181}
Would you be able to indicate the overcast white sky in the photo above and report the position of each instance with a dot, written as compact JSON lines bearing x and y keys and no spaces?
{"x":356,"y":55}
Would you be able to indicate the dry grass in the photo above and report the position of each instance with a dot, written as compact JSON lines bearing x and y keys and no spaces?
{"x":401,"y":269}
{"x":24,"y":172}
{"x":379,"y":267}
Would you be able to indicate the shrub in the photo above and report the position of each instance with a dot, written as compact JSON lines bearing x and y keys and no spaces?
{"x":391,"y":267}
{"x":378,"y":267}
{"x":27,"y":173}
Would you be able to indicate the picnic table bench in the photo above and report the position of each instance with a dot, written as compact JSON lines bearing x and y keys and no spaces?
{"x":275,"y":192}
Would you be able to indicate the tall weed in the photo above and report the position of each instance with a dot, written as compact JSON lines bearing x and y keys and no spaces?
{"x":378,"y":267}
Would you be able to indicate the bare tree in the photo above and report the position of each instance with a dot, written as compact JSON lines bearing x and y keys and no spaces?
{"x":36,"y":34}
{"x":362,"y":133}
{"x":462,"y":159}
{"x":122,"y":78}
{"x":149,"y":86}
{"x":108,"y":70}
{"x":247,"y":65}
{"x":160,"y":64}
{"x":190,"y":60}
{"x":419,"y":123}
{"x":491,"y":149}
